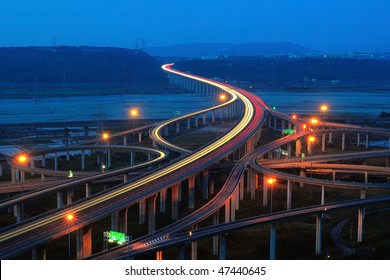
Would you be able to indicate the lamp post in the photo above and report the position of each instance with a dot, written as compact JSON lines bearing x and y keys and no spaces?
{"x":324,"y":108}
{"x":69,"y":219}
{"x":310,"y":142}
{"x":314,"y":122}
{"x":271,"y":183}
{"x":22,"y":160}
{"x":222,"y":98}
{"x":133,"y":112}
{"x":106,"y":139}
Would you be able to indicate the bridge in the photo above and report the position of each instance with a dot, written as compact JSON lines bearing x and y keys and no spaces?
{"x":170,"y":168}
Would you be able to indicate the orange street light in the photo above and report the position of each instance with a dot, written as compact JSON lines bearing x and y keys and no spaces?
{"x":133,"y":112}
{"x":222,"y":97}
{"x":22,"y":159}
{"x":314,"y":121}
{"x":70,"y":217}
{"x":304,"y":126}
{"x":294,"y":117}
{"x":324,"y":108}
{"x":105,"y":136}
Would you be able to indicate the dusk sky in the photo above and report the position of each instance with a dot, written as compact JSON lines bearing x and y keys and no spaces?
{"x":331,"y":25}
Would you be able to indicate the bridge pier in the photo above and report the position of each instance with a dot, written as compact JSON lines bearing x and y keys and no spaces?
{"x":152,"y":214}
{"x":204,"y":119}
{"x":322,"y":195}
{"x":323,"y":142}
{"x":59,"y":199}
{"x":302,"y":174}
{"x":194,"y":246}
{"x":142,"y":211}
{"x":124,"y":140}
{"x":140,"y":137}
{"x":298,"y":147}
{"x":163,"y":200}
{"x":177,"y":127}
{"x":205,"y":184}
{"x":222,"y":247}
{"x":191,"y":191}
{"x":43,"y":160}
{"x":343,"y":141}
{"x":175,"y":202}
{"x":318,"y":234}
{"x":159,"y":255}
{"x":265,"y":191}
{"x":358,"y":140}
{"x":213,"y":116}
{"x":272,"y":243}
{"x":32,"y":164}
{"x":19,"y":212}
{"x":189,"y":123}
{"x":361,"y":214}
{"x":215,"y":237}
{"x":88,"y":189}
{"x":288,"y":150}
{"x":84,"y":242}
{"x":69,"y":196}
{"x":330,"y":139}
{"x":38,"y":253}
{"x":366,"y":141}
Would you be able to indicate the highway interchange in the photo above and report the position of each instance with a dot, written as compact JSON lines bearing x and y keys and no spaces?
{"x":30,"y":233}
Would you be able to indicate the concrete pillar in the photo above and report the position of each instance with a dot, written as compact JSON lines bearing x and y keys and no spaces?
{"x":175,"y":202}
{"x":343,"y":141}
{"x":233,"y":207}
{"x":59,"y":199}
{"x":159,"y":256}
{"x":43,"y":160}
{"x":88,"y":189}
{"x":163,"y":200}
{"x":69,"y":196}
{"x":318,"y":234}
{"x":122,"y":220}
{"x":177,"y":127}
{"x":289,"y":195}
{"x":140,"y":137}
{"x":142,"y":211}
{"x":212,"y":186}
{"x":115,"y":221}
{"x":272,"y":243}
{"x":215,"y":238}
{"x":196,"y":121}
{"x":1,"y":169}
{"x":84,"y":242}
{"x":227,"y":210}
{"x":265,"y":191}
{"x":366,"y":141}
{"x":322,"y":195}
{"x":55,"y":161}
{"x":289,"y":150}
{"x":82,"y":160}
{"x":222,"y":247}
{"x":108,"y":158}
{"x":269,"y":121}
{"x":13,"y":174}
{"x":181,"y":252}
{"x":194,"y":246}
{"x":330,"y":138}
{"x":166,"y":131}
{"x":361,"y":214}
{"x":283,"y":125}
{"x":323,"y":142}
{"x":124,"y":140}
{"x":204,"y":119}
{"x":152,"y":214}
{"x":188,"y":123}
{"x":251,"y":182}
{"x":42,"y":177}
{"x":366,"y":177}
{"x":205,"y":184}
{"x":212,"y":116}
{"x":191,"y":192}
{"x":19,"y":212}
{"x":298,"y":146}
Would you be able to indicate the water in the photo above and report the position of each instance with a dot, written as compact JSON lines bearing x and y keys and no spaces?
{"x":112,"y":107}
{"x":365,"y":103}
{"x":164,"y":106}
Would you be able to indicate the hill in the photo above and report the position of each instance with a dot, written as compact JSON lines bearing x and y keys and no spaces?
{"x":78,"y":65}
{"x":215,"y":50}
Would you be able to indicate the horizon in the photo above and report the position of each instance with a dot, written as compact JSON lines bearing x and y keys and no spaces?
{"x":331,"y":27}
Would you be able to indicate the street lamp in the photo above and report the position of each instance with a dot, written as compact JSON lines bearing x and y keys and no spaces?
{"x":133,"y":112}
{"x":22,"y":159}
{"x":271,"y":183}
{"x":310,"y":143}
{"x":106,"y":140}
{"x":69,"y":220}
{"x":324,"y":108}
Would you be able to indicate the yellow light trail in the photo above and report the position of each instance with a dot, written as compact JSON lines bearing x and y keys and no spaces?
{"x":248,"y":114}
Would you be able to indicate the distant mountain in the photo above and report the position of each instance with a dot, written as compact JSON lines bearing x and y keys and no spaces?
{"x":78,"y":65}
{"x":213,"y":50}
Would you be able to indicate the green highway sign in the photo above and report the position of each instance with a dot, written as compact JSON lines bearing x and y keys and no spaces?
{"x":115,"y":236}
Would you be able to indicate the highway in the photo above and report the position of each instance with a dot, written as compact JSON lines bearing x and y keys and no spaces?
{"x":28,"y":234}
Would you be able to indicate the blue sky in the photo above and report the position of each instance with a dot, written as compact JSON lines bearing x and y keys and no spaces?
{"x":331,"y":25}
